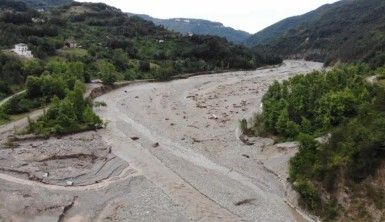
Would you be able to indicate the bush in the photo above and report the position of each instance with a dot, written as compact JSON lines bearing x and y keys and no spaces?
{"x":315,"y":102}
{"x":339,"y":102}
{"x":72,"y":114}
{"x":107,"y":72}
{"x":45,"y":86}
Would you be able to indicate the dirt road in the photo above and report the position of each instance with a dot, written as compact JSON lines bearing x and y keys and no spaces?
{"x":182,"y":136}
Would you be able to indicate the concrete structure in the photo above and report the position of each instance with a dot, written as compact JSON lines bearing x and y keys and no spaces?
{"x":22,"y":50}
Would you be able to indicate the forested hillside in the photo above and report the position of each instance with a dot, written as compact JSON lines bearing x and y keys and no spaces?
{"x":339,"y":118}
{"x":84,"y":41}
{"x":200,"y":27}
{"x":346,"y":31}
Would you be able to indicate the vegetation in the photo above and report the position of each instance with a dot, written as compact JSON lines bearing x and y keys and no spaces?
{"x":314,"y":103}
{"x":72,"y":114}
{"x":45,"y":4}
{"x":346,"y":31}
{"x":340,"y":102}
{"x":100,"y":32}
{"x":82,"y":41}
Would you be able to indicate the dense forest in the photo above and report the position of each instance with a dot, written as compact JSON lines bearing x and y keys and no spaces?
{"x":346,"y":31}
{"x":84,"y":41}
{"x":339,"y":118}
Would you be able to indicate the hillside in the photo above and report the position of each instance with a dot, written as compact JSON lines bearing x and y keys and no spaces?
{"x":345,"y":31}
{"x":339,"y":120}
{"x":84,"y":41}
{"x":103,"y":32}
{"x":45,"y":4}
{"x":200,"y":27}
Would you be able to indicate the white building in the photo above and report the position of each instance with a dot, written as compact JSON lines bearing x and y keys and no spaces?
{"x":22,"y":50}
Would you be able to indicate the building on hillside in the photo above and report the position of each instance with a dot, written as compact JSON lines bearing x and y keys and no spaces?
{"x":70,"y":43}
{"x":38,"y":20}
{"x":161,"y":41}
{"x":22,"y":50}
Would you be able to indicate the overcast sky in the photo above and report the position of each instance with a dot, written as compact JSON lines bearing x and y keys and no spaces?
{"x":247,"y":15}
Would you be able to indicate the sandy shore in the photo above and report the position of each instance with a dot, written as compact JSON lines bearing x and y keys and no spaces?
{"x":170,"y":152}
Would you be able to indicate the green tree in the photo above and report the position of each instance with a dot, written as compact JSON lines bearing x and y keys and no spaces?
{"x":107,"y":72}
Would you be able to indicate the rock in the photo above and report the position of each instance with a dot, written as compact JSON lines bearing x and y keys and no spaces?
{"x":213,"y":116}
{"x":247,"y":156}
{"x":287,"y":145}
{"x":134,"y":138}
{"x":246,"y":140}
{"x":45,"y":175}
{"x":155,"y":145}
{"x":324,"y":139}
{"x":69,"y":183}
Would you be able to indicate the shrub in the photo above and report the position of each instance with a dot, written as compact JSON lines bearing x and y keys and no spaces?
{"x":72,"y":114}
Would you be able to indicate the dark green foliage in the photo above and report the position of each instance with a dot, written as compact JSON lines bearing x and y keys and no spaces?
{"x":144,"y":66}
{"x":107,"y":72}
{"x":315,"y":102}
{"x":347,"y":31}
{"x":339,"y":102}
{"x":130,"y":44}
{"x":355,"y":151}
{"x":5,"y":90}
{"x":11,"y":70}
{"x":108,"y":45}
{"x":15,"y":5}
{"x":22,"y":104}
{"x":72,"y":114}
{"x":58,"y":78}
{"x":45,"y":86}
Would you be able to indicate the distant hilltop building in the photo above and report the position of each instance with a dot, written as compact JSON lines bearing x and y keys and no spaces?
{"x":70,"y":43}
{"x":22,"y":50}
{"x":190,"y":34}
{"x":38,"y":20}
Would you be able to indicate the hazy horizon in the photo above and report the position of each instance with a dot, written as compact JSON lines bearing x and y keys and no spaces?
{"x":247,"y":15}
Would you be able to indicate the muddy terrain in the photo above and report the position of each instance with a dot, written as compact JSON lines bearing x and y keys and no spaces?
{"x":171,"y":152}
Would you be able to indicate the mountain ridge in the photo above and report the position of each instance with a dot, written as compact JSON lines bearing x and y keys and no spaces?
{"x":198,"y":26}
{"x":45,"y":4}
{"x":346,"y":31}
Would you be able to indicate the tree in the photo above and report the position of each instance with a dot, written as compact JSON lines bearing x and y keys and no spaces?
{"x":33,"y":87}
{"x":120,"y":59}
{"x":106,"y":72}
{"x":144,"y":66}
